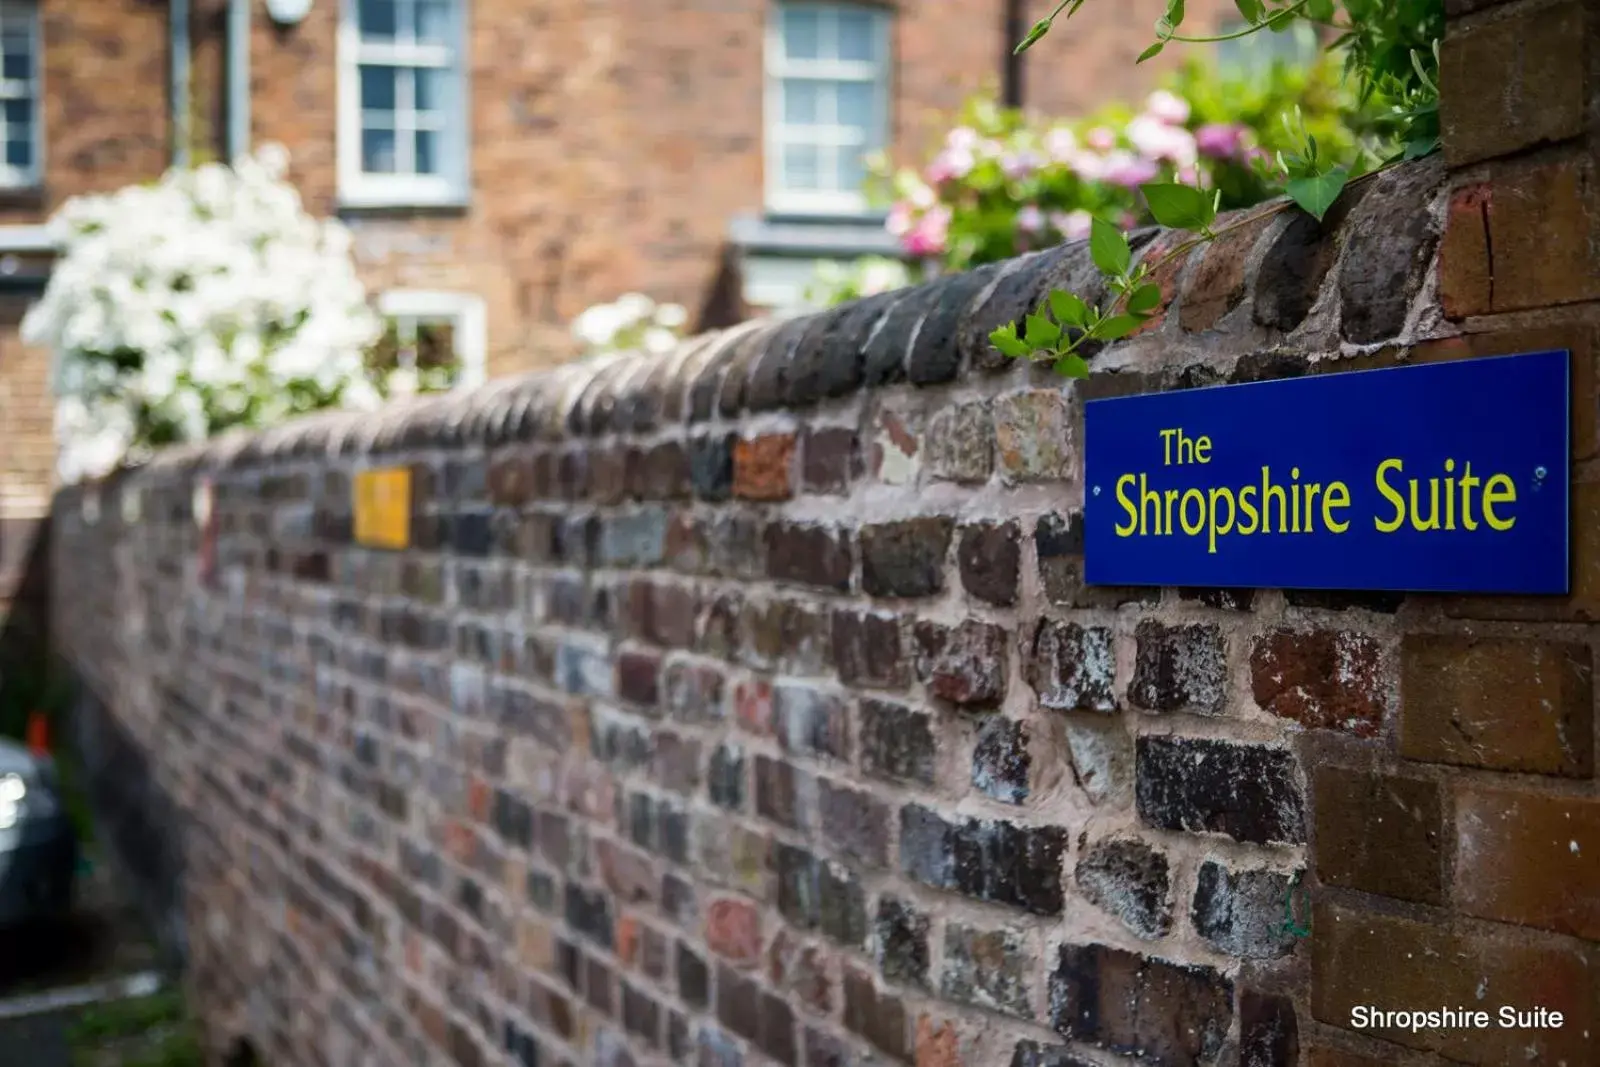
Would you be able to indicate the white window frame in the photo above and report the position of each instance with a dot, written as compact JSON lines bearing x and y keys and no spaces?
{"x":361,"y":189}
{"x":466,"y":310}
{"x":17,"y":177}
{"x":875,"y":71}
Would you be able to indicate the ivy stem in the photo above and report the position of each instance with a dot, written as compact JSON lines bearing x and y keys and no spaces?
{"x":1254,"y":27}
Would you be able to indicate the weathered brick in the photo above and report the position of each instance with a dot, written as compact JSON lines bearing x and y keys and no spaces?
{"x":878,"y":1017}
{"x":811,"y":722}
{"x":1292,"y":271}
{"x":1102,"y":758}
{"x":1249,"y":792}
{"x":965,"y":665}
{"x":1072,"y":667}
{"x":1033,"y":1054}
{"x":1242,"y":912}
{"x":855,"y":824}
{"x":1544,"y":234}
{"x":693,"y":692}
{"x":1217,"y":284}
{"x":896,"y":447}
{"x":990,"y":558}
{"x":960,"y":442}
{"x":639,"y":677}
{"x":897,"y":743}
{"x":809,"y":555}
{"x":1368,"y":959}
{"x":1512,"y":83}
{"x":1269,"y":1030}
{"x":1466,"y":284}
{"x":725,"y":780}
{"x":1033,"y":436}
{"x":1058,"y":544}
{"x":1528,"y":858}
{"x":1179,"y":668}
{"x":1000,"y":862}
{"x":784,"y":794}
{"x":1504,"y":703}
{"x":1324,"y":680}
{"x":900,"y":940}
{"x":816,"y":894}
{"x":905,"y":559}
{"x":868,"y":650}
{"x":1000,"y":760}
{"x":733,"y":931}
{"x":1140,"y":1006}
{"x":988,"y":968}
{"x":831,"y":460}
{"x":1131,"y":880}
{"x":763,"y":467}
{"x":1379,"y":833}
{"x":1389,"y":240}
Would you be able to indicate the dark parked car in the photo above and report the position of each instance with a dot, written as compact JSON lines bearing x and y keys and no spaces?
{"x":38,"y":848}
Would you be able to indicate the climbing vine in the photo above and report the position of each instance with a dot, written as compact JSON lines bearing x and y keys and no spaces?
{"x":1391,"y":50}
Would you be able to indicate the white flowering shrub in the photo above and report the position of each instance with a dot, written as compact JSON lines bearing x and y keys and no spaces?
{"x":633,"y":323}
{"x":205,"y":301}
{"x":836,"y":283}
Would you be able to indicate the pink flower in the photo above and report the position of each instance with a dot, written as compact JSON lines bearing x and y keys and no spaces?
{"x":1101,"y":139}
{"x":931,"y":233}
{"x":1019,"y":166}
{"x":899,"y":221}
{"x":952,"y":164}
{"x":1030,"y":219}
{"x":1167,"y":107}
{"x":961,"y":139}
{"x":1072,"y":225}
{"x":1128,"y":170}
{"x":1189,"y":175}
{"x":1159,"y":141}
{"x":1220,"y":140}
{"x":1061,"y":145}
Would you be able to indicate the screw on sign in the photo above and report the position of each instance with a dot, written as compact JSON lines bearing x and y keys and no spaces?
{"x":383,"y":508}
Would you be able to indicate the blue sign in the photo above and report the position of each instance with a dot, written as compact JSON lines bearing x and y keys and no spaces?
{"x":1442,"y":477}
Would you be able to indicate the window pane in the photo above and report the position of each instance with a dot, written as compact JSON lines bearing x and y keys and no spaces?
{"x":19,"y":153}
{"x":377,"y":151}
{"x":376,"y":18}
{"x":801,"y":167}
{"x":19,"y":115}
{"x":802,"y":37}
{"x":377,"y":88}
{"x":852,"y":169}
{"x":427,"y":152}
{"x":856,"y":36}
{"x":433,"y":86}
{"x":858,"y":106}
{"x":436,"y":343}
{"x":16,"y":62}
{"x":433,"y":21}
{"x":801,"y":101}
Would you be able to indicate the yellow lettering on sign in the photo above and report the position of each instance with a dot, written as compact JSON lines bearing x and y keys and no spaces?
{"x":383,"y":508}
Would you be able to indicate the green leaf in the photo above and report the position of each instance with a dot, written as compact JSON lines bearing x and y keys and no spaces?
{"x":1320,"y":10}
{"x":1040,"y":28}
{"x":1279,"y":21}
{"x":1117,"y":327}
{"x":1175,"y":13}
{"x":1068,"y":308}
{"x":1144,"y":299}
{"x":1317,"y":193}
{"x":1072,"y":365}
{"x":1182,"y":207}
{"x":1250,"y":10}
{"x":1041,"y":332}
{"x":1109,"y":248}
{"x":1006,"y":340}
{"x":1151,"y":52}
{"x":1422,"y":146}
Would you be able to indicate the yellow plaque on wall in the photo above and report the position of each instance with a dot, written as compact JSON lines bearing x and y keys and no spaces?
{"x":383,"y":508}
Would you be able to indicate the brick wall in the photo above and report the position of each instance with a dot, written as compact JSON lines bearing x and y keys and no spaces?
{"x":747,"y":706}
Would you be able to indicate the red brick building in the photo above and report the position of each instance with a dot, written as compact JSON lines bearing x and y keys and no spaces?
{"x":506,"y":163}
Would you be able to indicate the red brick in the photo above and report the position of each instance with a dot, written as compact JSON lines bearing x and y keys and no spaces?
{"x":1216,"y":286}
{"x":752,"y":706}
{"x":763,"y":467}
{"x":1466,"y":279}
{"x":1529,"y":859}
{"x":1505,"y":703}
{"x":1361,"y":958}
{"x":1512,"y":83}
{"x":1544,"y":232}
{"x":938,"y":1045}
{"x":733,"y":931}
{"x":1324,"y":680}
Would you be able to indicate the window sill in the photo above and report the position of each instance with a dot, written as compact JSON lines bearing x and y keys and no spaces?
{"x":22,"y":196}
{"x":377,"y":203}
{"x":814,"y":236}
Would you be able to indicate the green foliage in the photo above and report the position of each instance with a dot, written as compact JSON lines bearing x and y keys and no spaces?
{"x":839,"y":283}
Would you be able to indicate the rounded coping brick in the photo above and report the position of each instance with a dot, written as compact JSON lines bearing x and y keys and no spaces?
{"x":932,"y":333}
